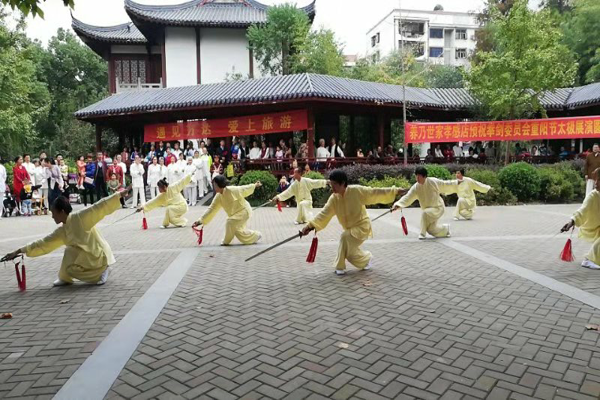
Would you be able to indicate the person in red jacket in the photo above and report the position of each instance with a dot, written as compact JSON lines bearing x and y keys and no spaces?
{"x":20,"y":174}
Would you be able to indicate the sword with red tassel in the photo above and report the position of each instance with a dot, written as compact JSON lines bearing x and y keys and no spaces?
{"x":21,"y":274}
{"x":567,"y":253}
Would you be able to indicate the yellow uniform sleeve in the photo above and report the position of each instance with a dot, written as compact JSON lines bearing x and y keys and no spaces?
{"x":289,"y":192}
{"x":581,"y":216}
{"x":96,"y":213}
{"x":322,"y":219}
{"x":209,"y":214}
{"x":316,"y":183}
{"x":446,"y":187}
{"x":370,"y":196}
{"x":181,"y":184}
{"x":409,"y":198}
{"x":158,"y":201}
{"x":480,"y":187}
{"x":46,"y":245}
{"x":247,"y":190}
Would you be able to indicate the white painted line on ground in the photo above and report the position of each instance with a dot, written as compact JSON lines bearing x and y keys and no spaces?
{"x":570,"y":291}
{"x":96,"y":375}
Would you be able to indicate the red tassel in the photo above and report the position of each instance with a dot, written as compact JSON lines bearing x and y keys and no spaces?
{"x":312,"y":253}
{"x":567,"y":253}
{"x":144,"y":222}
{"x":199,"y":233}
{"x":279,"y":206}
{"x":404,"y":226}
{"x":21,"y":277}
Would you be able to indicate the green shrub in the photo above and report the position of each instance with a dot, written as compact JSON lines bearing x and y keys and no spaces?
{"x":320,"y":196}
{"x":554,"y":187}
{"x":437,"y":171}
{"x":498,"y":195}
{"x":9,"y":173}
{"x":264,"y":193}
{"x":572,"y":173}
{"x":522,"y":179}
{"x":387,"y":181}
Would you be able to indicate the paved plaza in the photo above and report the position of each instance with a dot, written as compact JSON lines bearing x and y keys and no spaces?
{"x":489,"y":313}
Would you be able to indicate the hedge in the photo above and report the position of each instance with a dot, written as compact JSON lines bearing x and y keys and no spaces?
{"x":267,"y":191}
{"x":319,"y":196}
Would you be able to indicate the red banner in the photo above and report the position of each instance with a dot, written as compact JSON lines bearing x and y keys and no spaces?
{"x":518,"y":130}
{"x":296,"y":120}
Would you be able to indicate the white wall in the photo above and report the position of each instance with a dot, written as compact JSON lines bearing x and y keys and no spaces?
{"x":180,"y":49}
{"x":223,"y":51}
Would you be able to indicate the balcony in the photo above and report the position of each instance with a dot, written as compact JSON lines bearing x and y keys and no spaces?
{"x":129,"y":87}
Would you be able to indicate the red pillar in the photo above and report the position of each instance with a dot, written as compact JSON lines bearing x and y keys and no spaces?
{"x":381,"y":129}
{"x":310,"y":134}
{"x":98,"y":138}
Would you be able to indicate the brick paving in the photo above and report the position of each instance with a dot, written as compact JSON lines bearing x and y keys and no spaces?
{"x":428,"y":322}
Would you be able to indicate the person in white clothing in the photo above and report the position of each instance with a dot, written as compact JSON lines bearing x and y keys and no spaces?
{"x":205,"y":157}
{"x":156,"y":172}
{"x":190,"y":189}
{"x":176,"y":170}
{"x":30,"y":167}
{"x":40,"y":176}
{"x":120,"y":163}
{"x":438,"y":152}
{"x":200,"y":173}
{"x":322,"y":152}
{"x":457,"y":150}
{"x":137,"y":182}
{"x":254,"y":151}
{"x":335,"y":150}
{"x":2,"y":187}
{"x":176,"y":150}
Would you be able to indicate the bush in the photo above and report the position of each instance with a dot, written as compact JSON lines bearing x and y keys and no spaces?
{"x":438,"y":171}
{"x":572,"y":172}
{"x":522,"y":179}
{"x":320,"y":196}
{"x":9,"y":173}
{"x":498,"y":195}
{"x":387,"y":181}
{"x":264,"y":193}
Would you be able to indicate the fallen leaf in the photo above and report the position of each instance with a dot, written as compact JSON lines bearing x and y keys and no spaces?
{"x":64,"y":301}
{"x":343,"y":345}
{"x":6,"y":316}
{"x":592,"y":327}
{"x":367,"y":283}
{"x":211,"y":255}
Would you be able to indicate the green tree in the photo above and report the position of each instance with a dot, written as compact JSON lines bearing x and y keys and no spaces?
{"x":31,"y":6}
{"x":528,"y":59}
{"x":76,"y":77}
{"x":23,"y":98}
{"x":274,"y":42}
{"x":580,"y":35}
{"x":319,"y":53}
{"x":444,"y":76}
{"x":560,"y":6}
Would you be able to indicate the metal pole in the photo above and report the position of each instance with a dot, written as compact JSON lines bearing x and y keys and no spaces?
{"x":403,"y":81}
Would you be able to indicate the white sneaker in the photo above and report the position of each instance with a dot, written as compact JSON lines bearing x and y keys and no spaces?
{"x":163,"y":227}
{"x":103,"y":278}
{"x":60,"y":282}
{"x":455,"y":218}
{"x":369,"y":265}
{"x":421,"y":236}
{"x":340,"y":272}
{"x":259,"y":237}
{"x":297,"y":223}
{"x":589,"y":264}
{"x":448,"y":227}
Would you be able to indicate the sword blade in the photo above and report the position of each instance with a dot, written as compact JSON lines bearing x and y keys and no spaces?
{"x":296,"y":236}
{"x":385,"y":213}
{"x":125,"y":217}
{"x":262,"y":205}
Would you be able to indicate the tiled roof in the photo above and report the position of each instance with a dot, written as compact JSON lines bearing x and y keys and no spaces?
{"x":123,"y":33}
{"x":309,"y":86}
{"x":233,"y":13}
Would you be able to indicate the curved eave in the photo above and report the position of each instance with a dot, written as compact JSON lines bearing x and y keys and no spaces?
{"x":103,"y":33}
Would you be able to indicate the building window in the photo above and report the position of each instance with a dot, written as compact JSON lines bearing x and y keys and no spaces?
{"x":375,"y":57}
{"x":416,"y":48}
{"x":436,"y":33}
{"x":375,"y":39}
{"x":412,"y":29}
{"x":461,"y":53}
{"x":461,"y":34}
{"x":129,"y":70}
{"x":435,"y":52}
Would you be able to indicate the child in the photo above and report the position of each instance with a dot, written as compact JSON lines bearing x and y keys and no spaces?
{"x":10,"y":205}
{"x":279,"y":154}
{"x":114,"y":186}
{"x":26,"y":196}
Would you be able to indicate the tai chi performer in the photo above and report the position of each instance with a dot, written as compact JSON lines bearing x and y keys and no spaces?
{"x":201,"y":171}
{"x":587,"y":219}
{"x":348,"y":203}
{"x":232,"y":199}
{"x":301,"y":188}
{"x":427,"y":191}
{"x":87,"y":255}
{"x":137,"y":181}
{"x":466,"y":195}
{"x":171,"y":198}
{"x":190,"y":189}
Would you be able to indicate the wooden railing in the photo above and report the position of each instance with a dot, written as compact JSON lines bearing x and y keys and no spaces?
{"x":124,"y":87}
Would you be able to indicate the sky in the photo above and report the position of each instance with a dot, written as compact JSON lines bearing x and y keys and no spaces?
{"x":349,"y":19}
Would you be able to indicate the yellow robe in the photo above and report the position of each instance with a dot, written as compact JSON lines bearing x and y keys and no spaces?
{"x":466,"y":197}
{"x":238,"y":210}
{"x":351,"y":213}
{"x":87,"y":254}
{"x":431,"y":204}
{"x":173,"y":201}
{"x":587,"y":219}
{"x":301,"y":190}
